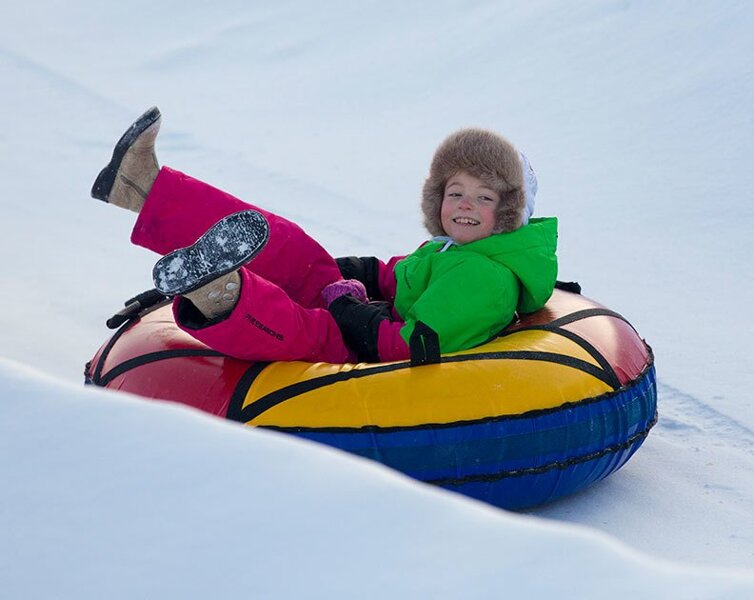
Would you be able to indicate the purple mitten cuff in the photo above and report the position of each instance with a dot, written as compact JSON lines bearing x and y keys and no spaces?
{"x":344,"y":287}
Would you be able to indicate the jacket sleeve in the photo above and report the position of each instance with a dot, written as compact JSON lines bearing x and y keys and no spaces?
{"x":377,"y":276}
{"x":369,"y":330}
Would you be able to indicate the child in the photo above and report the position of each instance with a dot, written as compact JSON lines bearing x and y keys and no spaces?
{"x":253,"y":285}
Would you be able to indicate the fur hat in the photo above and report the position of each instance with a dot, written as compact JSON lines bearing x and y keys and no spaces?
{"x":491,"y":158}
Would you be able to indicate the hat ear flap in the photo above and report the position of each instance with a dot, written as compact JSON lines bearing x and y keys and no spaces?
{"x":509,"y":214}
{"x":432,"y":195}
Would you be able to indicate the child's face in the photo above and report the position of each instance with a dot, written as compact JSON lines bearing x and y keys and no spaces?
{"x":468,"y":208}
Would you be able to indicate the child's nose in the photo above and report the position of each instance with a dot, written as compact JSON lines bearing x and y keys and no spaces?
{"x":465,"y":202}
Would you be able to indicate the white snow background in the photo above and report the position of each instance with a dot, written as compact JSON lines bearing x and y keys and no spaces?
{"x":637,"y":117}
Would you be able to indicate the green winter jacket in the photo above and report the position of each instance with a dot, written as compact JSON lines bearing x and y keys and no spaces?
{"x":469,"y":293}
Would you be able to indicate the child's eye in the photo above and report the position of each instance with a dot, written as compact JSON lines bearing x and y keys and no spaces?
{"x":486,"y":198}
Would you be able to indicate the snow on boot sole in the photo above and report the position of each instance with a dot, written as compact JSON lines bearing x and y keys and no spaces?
{"x":103,"y":185}
{"x":228,"y":244}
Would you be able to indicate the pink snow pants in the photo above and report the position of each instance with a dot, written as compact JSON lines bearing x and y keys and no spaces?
{"x":280,"y":314}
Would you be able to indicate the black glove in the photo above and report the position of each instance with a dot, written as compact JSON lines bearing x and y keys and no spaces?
{"x":359,"y":324}
{"x":365,"y":269}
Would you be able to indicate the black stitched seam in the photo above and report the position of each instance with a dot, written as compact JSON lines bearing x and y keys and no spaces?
{"x":548,"y":467}
{"x":531,"y":414}
{"x":566,"y":320}
{"x":145,"y":359}
{"x":235,"y":405}
{"x":96,"y":378}
{"x":97,"y":375}
{"x":587,"y":313}
{"x":585,"y":345}
{"x":272,"y":399}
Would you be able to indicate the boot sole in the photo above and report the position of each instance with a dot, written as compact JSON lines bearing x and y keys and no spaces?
{"x":103,"y":185}
{"x":228,"y":244}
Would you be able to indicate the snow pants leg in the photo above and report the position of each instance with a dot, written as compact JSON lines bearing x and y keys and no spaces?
{"x":280,"y":314}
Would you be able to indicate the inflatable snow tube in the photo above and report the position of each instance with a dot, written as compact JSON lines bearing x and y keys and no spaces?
{"x":558,"y":401}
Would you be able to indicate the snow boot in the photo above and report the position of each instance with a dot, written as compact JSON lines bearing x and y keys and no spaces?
{"x":228,"y":244}
{"x":128,"y":177}
{"x":219,"y":297}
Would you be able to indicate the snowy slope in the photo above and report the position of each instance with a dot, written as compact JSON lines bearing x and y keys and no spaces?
{"x":114,"y":497}
{"x":636,"y":117}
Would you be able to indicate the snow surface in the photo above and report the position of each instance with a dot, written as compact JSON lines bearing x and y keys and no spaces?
{"x":637,"y":118}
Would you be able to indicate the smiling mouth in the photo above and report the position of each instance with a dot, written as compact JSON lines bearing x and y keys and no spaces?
{"x":465,"y":221}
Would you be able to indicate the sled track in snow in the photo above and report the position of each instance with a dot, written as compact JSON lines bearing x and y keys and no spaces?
{"x":684,"y":416}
